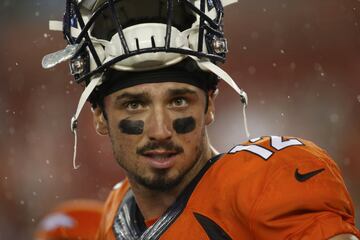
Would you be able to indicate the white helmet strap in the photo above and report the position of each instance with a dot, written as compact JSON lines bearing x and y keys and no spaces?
{"x":74,"y":120}
{"x":226,"y":77}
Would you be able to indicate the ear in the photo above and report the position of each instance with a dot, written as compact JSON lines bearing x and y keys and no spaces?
{"x":210,"y":114}
{"x":100,"y":123}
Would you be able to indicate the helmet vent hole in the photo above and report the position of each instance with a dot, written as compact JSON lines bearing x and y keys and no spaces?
{"x":153,"y":41}
{"x":137,"y":43}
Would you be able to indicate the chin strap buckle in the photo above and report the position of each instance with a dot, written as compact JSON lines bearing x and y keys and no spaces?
{"x":220,"y":45}
{"x":74,"y":124}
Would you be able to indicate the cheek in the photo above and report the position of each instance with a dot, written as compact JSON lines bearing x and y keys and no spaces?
{"x":131,"y":127}
{"x":184,"y":125}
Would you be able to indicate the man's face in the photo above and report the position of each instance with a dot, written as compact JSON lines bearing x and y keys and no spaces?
{"x":157,"y":131}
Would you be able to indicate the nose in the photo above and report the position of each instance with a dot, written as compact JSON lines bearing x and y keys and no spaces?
{"x":159,"y":125}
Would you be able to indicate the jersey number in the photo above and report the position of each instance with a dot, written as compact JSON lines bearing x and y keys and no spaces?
{"x":276,"y":142}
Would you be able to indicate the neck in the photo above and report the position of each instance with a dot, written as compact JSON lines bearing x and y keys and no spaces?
{"x":152,"y":203}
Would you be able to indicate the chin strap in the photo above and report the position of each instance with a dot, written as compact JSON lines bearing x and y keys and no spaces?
{"x":206,"y":64}
{"x":74,"y":120}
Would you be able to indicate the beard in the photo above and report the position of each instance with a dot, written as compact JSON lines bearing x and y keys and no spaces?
{"x":159,"y":179}
{"x":160,"y":182}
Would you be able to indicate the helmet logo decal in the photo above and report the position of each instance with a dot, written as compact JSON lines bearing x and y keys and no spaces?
{"x":57,"y":220}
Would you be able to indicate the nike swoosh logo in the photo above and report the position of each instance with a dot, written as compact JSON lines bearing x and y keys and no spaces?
{"x":302,"y":177}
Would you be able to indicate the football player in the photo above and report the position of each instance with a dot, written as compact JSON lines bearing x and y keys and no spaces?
{"x":150,"y":72}
{"x":74,"y":219}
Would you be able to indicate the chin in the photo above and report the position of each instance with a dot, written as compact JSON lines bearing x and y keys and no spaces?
{"x":160,"y":182}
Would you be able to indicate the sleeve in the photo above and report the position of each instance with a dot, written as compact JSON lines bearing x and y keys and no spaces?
{"x":301,"y":202}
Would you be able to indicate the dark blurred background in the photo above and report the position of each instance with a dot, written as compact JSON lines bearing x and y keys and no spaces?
{"x":299,"y":62}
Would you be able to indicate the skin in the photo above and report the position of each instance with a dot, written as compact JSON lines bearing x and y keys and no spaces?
{"x":166,"y":156}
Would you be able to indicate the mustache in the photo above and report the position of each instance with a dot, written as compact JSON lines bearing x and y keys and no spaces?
{"x":168,"y":146}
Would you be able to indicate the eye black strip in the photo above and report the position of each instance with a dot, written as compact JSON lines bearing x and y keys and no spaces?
{"x":131,"y":127}
{"x":184,"y":125}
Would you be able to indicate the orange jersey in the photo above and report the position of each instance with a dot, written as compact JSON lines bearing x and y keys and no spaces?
{"x":267,"y":188}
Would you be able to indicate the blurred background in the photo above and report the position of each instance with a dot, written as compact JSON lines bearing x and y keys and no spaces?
{"x":299,"y":62}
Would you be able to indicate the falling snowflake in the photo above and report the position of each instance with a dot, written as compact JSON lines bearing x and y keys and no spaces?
{"x":12,"y":131}
{"x":334,"y":118}
{"x":292,"y":66}
{"x":254,"y":35}
{"x":252,"y":70}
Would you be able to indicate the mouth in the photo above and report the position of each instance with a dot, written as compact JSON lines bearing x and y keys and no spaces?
{"x":161,"y":159}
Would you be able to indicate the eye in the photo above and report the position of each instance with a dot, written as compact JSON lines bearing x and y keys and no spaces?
{"x":179,"y":102}
{"x":134,"y":105}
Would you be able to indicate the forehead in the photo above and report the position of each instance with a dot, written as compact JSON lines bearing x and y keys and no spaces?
{"x":163,"y":89}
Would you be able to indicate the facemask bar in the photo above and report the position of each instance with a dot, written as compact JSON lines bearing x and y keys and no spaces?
{"x":168,"y":27}
{"x":119,"y":27}
{"x":73,"y":15}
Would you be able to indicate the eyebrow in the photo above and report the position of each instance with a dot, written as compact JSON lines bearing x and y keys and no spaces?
{"x":145,"y":95}
{"x":181,"y":91}
{"x":127,"y":95}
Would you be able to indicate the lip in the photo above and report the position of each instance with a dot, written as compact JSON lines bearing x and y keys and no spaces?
{"x":160,"y":159}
